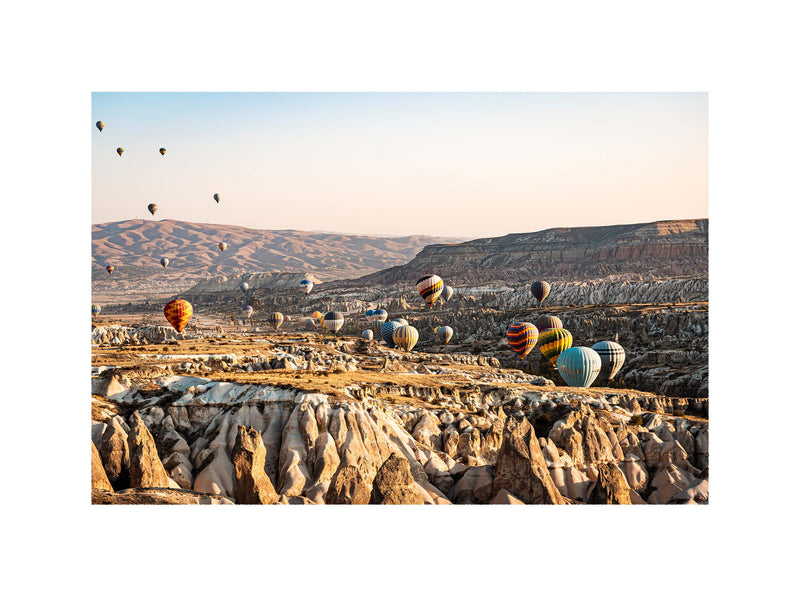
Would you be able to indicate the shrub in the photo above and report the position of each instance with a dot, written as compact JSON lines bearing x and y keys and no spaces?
{"x":636,"y":420}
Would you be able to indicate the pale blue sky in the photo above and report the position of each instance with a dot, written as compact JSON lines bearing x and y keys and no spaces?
{"x":454,"y":164}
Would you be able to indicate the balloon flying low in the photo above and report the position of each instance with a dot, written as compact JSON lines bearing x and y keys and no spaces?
{"x":247,"y":311}
{"x":540,"y":289}
{"x":388,"y":329}
{"x":100,"y":125}
{"x":333,"y":321}
{"x":579,"y":366}
{"x":306,"y":285}
{"x":367,"y":334}
{"x":380,"y":315}
{"x":120,"y":150}
{"x":612,"y":357}
{"x":448,"y":293}
{"x":547,"y":322}
{"x":178,"y":313}
{"x":522,"y":337}
{"x":405,"y":337}
{"x":445,"y":333}
{"x":553,"y":342}
{"x":275,"y":320}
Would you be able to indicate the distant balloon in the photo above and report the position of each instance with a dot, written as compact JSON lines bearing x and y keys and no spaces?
{"x":152,"y":208}
{"x":217,"y":197}
{"x":222,"y":246}
{"x":110,"y":269}
{"x":612,"y":357}
{"x":547,"y":322}
{"x":317,"y":315}
{"x":178,"y":313}
{"x":522,"y":337}
{"x":162,"y":151}
{"x":430,"y":287}
{"x":400,"y":320}
{"x":100,"y":125}
{"x":579,"y":366}
{"x":553,"y":342}
{"x":387,"y":332}
{"x":406,"y":337}
{"x":306,"y":285}
{"x":449,"y":291}
{"x":333,"y":321}
{"x":540,"y":290}
{"x":95,"y":310}
{"x":380,"y":315}
{"x":244,"y":286}
{"x":367,"y":334}
{"x":164,"y":262}
{"x":247,"y":311}
{"x":275,"y":320}
{"x":120,"y":150}
{"x":445,"y":333}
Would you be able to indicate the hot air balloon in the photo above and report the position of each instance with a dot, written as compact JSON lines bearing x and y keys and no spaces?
{"x":311,"y":324}
{"x":100,"y":125}
{"x":110,"y":269}
{"x":244,"y":287}
{"x":178,"y":312}
{"x":317,"y":315}
{"x":445,"y":333}
{"x":247,"y":311}
{"x":275,"y":320}
{"x":449,"y":291}
{"x":222,"y":246}
{"x":376,"y":325}
{"x":120,"y":150}
{"x":367,"y":334}
{"x":95,"y":310}
{"x":540,"y":290}
{"x":380,"y":315}
{"x":369,"y":314}
{"x":306,"y":285}
{"x":547,"y":322}
{"x":387,"y":332}
{"x":152,"y":208}
{"x":400,"y":320}
{"x":553,"y":342}
{"x":405,"y":337}
{"x":164,"y":262}
{"x":522,"y":337}
{"x":162,"y":151}
{"x":612,"y":357}
{"x":333,"y":321}
{"x":216,"y":197}
{"x":430,"y":287}
{"x":579,"y":366}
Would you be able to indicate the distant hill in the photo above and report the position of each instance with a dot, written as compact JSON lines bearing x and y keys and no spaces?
{"x":673,"y":248}
{"x":135,"y":247}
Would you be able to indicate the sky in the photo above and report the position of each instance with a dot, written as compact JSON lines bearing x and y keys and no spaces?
{"x":466,"y":165}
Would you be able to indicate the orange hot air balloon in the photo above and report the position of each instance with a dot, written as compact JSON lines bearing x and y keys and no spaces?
{"x":178,"y":312}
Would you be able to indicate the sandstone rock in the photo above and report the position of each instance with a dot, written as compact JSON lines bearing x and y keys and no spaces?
{"x":115,"y":454}
{"x":610,"y":487}
{"x":252,"y":483}
{"x":99,"y":477}
{"x":157,"y":495}
{"x":474,"y":487}
{"x":145,"y":467}
{"x":393,"y":484}
{"x":504,"y":497}
{"x":348,"y":486}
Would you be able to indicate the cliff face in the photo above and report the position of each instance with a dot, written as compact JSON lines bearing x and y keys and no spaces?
{"x":657,"y":249}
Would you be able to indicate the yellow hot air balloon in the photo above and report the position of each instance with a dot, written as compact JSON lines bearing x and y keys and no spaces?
{"x":178,"y":312}
{"x":430,"y":286}
{"x":120,"y":150}
{"x":275,"y":320}
{"x":162,"y":151}
{"x":405,"y":337}
{"x":553,"y":342}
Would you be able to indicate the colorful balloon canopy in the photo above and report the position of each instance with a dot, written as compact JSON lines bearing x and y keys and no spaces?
{"x":406,"y":337}
{"x":217,"y":197}
{"x":247,"y":311}
{"x":540,"y":289}
{"x":445,"y":333}
{"x":152,"y":208}
{"x":449,"y":291}
{"x":178,"y":313}
{"x":275,"y":319}
{"x":110,"y":269}
{"x":553,"y":342}
{"x":579,"y":366}
{"x":162,"y":151}
{"x":100,"y":125}
{"x":612,"y":357}
{"x":333,"y":321}
{"x":306,"y":285}
{"x":430,"y":286}
{"x":367,"y":334}
{"x":380,"y":315}
{"x":244,"y":286}
{"x":522,"y":337}
{"x":387,"y":332}
{"x":317,"y":315}
{"x":164,"y":262}
{"x":95,"y":310}
{"x":376,"y":325}
{"x":222,"y":246}
{"x":547,"y":322}
{"x":120,"y":150}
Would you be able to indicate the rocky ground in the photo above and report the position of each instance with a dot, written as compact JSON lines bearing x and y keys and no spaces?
{"x":218,"y":417}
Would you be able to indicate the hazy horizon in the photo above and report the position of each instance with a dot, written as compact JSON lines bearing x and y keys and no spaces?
{"x":462,"y":165}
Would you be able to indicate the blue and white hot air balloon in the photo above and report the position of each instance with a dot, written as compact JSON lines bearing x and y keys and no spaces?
{"x":387,"y":332}
{"x":579,"y":366}
{"x":306,"y":285}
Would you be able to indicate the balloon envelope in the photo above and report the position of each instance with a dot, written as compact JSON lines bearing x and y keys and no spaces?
{"x":430,"y":286}
{"x":540,"y":289}
{"x":612,"y":357}
{"x":275,"y":320}
{"x":522,"y":337}
{"x":376,"y":325}
{"x":178,"y":313}
{"x":244,"y":286}
{"x":100,"y":124}
{"x":400,"y":320}
{"x":445,"y":333}
{"x":120,"y":150}
{"x":333,"y":321}
{"x":449,"y":291}
{"x":164,"y":262}
{"x":217,"y":197}
{"x":222,"y":246}
{"x":380,"y":314}
{"x":553,"y":342}
{"x":162,"y":151}
{"x":95,"y":310}
{"x":367,"y":334}
{"x":387,"y":332}
{"x":110,"y":269}
{"x":369,"y":314}
{"x":547,"y":322}
{"x":247,"y":311}
{"x":152,"y":208}
{"x":306,"y":285}
{"x":579,"y":366}
{"x":317,"y":315}
{"x":406,"y":337}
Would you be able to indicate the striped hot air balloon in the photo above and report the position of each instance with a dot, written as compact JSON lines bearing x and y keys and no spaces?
{"x":540,"y":289}
{"x":448,"y":293}
{"x":367,"y":334}
{"x":162,"y":151}
{"x":405,"y":337}
{"x":612,"y":357}
{"x":430,"y":286}
{"x":445,"y":333}
{"x":522,"y":337}
{"x":95,"y":310}
{"x":380,"y":315}
{"x":275,"y":320}
{"x":387,"y":332}
{"x":553,"y":342}
{"x":376,"y":325}
{"x":333,"y":321}
{"x":306,"y":285}
{"x":579,"y":366}
{"x":110,"y":269}
{"x":120,"y":150}
{"x":178,"y":313}
{"x":547,"y":322}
